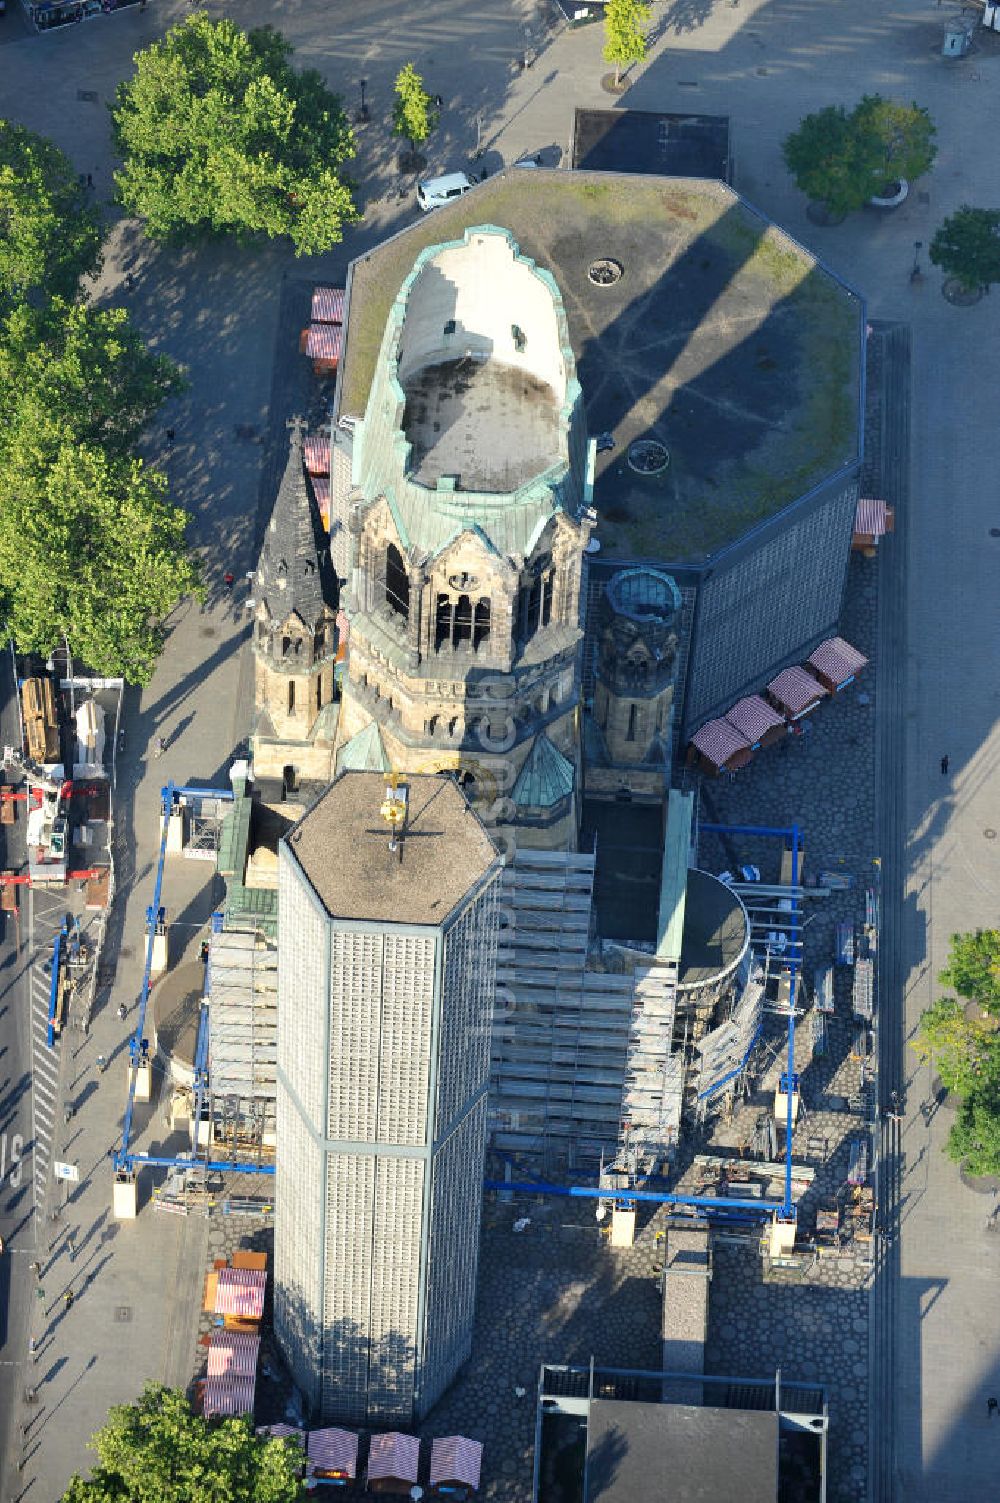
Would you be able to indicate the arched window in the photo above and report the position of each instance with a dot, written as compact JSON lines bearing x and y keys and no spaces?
{"x":547,"y":587}
{"x":397,"y":581}
{"x":286,"y":642}
{"x":291,"y":696}
{"x":630,"y":734}
{"x":442,"y":622}
{"x":481,"y":628}
{"x":463,"y":620}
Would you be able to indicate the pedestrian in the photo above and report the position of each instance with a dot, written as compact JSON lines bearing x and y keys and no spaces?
{"x":991,"y":1406}
{"x":229,"y":580}
{"x":945,"y":763}
{"x":40,"y":1292}
{"x":170,"y":435}
{"x":36,"y":1269}
{"x":122,"y":1012}
{"x":90,"y":180}
{"x":102,"y":1063}
{"x":438,"y":102}
{"x":71,"y":1244}
{"x":33,"y":1348}
{"x":69,"y":1297}
{"x":129,"y":282}
{"x":68,"y":1113}
{"x":159,"y":747}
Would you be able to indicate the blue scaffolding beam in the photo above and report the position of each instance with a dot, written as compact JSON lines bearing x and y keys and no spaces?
{"x":126,"y":1160}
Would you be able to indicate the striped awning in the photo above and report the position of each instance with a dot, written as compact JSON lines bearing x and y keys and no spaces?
{"x":321,"y":490}
{"x":837,"y":660}
{"x":240,"y":1291}
{"x":282,"y":1432}
{"x":233,"y":1353}
{"x":753,"y":717}
{"x":334,"y":1452}
{"x":717,"y":741}
{"x":873,"y":518}
{"x":228,"y":1396}
{"x":323,"y":342}
{"x":328,"y":305}
{"x":454,"y":1458}
{"x":316,"y":452}
{"x":393,"y":1457}
{"x":795,"y":691}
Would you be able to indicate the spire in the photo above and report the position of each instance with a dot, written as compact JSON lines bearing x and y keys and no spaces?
{"x":294,"y":572}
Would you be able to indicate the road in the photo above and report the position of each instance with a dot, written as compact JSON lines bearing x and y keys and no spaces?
{"x":16,"y":1203}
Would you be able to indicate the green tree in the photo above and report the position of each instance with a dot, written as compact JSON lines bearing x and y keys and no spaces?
{"x":157,"y":1451}
{"x":413,"y":114}
{"x":844,"y":160}
{"x":974,"y":1140}
{"x":892,"y":141}
{"x":624,"y":34}
{"x":967,"y":247}
{"x":49,"y":235}
{"x":219,"y":135}
{"x":819,"y":154}
{"x":90,"y":547}
{"x":964,"y":1051}
{"x":74,"y":371}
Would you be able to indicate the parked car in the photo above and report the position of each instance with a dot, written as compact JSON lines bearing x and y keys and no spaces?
{"x":435,"y":191}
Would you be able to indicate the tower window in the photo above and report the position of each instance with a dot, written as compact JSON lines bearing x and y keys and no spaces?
{"x":547,"y":587}
{"x":463,"y":620}
{"x":442,"y":622}
{"x":397,"y":581}
{"x":630,"y":734}
{"x":291,"y":696}
{"x":481,"y":627}
{"x":449,"y":327}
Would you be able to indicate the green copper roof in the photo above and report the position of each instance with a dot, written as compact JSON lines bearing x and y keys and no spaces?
{"x":234,"y":839}
{"x":546,"y":777}
{"x":364,"y":752}
{"x":430,"y":517}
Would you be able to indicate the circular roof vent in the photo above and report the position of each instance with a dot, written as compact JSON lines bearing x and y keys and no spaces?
{"x":605,"y":271}
{"x":647,"y":456}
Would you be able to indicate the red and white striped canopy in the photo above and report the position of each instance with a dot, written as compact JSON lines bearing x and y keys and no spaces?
{"x":796,"y":691}
{"x":328,"y":305}
{"x":281,"y":1432}
{"x":394,"y":1456}
{"x":333,"y":1451}
{"x":753,"y":717}
{"x":872,"y":517}
{"x":228,"y":1396}
{"x":316,"y":451}
{"x":323,"y":342}
{"x":717,"y":740}
{"x":454,"y":1458}
{"x":240,"y":1291}
{"x":837,"y":660}
{"x":233,"y":1354}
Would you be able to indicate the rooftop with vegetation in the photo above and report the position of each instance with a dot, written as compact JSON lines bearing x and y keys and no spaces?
{"x":722,"y":340}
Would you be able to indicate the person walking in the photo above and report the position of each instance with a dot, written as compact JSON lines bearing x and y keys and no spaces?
{"x":945,"y":764}
{"x":122,"y":1012}
{"x":159,"y":747}
{"x":102,"y":1063}
{"x":229,"y":580}
{"x":991,"y":1407}
{"x":71,"y":1244}
{"x":69,"y":1297}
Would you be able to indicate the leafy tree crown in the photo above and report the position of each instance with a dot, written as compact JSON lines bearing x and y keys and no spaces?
{"x":624,"y":33}
{"x":50,"y":236}
{"x":413,"y":114}
{"x":967,"y":246}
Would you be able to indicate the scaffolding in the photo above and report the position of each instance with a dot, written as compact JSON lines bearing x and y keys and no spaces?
{"x":653,"y":1088}
{"x":243,"y":1051}
{"x":726,"y":1051}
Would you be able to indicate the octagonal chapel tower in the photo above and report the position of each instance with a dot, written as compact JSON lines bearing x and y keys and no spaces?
{"x":472,"y":480}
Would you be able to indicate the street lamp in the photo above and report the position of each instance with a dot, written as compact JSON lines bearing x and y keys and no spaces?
{"x":916,"y":274}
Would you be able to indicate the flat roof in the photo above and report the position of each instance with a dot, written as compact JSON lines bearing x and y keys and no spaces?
{"x":640,"y":1452}
{"x":653,"y":141}
{"x":342,"y":847}
{"x":724,"y":339}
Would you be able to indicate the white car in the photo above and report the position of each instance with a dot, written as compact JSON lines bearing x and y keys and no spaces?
{"x":436,"y":191}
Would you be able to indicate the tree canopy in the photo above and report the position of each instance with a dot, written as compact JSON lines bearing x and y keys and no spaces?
{"x":624,"y":33}
{"x":967,"y":246}
{"x":157,"y":1451}
{"x":963,"y":1050}
{"x":50,"y":236}
{"x":219,"y":135}
{"x":843,"y":160}
{"x":413,"y":114}
{"x":90,"y":546}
